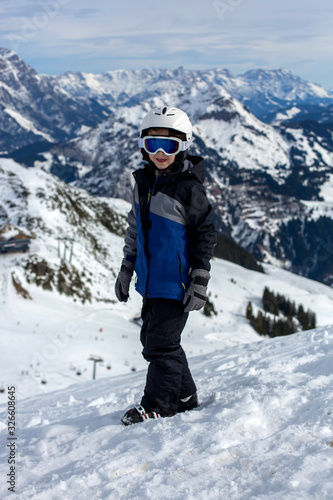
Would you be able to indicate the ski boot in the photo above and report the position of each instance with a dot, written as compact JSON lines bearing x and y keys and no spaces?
{"x":186,"y":404}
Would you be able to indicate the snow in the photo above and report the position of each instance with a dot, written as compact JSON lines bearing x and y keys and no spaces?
{"x":278,"y":84}
{"x":318,"y":90}
{"x":38,"y":349}
{"x":27,"y":124}
{"x":326,"y":190}
{"x":263,"y":430}
{"x":264,"y":427}
{"x":288,"y":114}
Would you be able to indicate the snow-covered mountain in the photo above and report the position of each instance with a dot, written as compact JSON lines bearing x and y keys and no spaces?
{"x":320,"y":113}
{"x":271,"y":186}
{"x":263,"y":91}
{"x":45,"y":108}
{"x":268,"y":91}
{"x":74,"y":286}
{"x":35,"y":108}
{"x":56,"y":217}
{"x":264,"y":427}
{"x":225,"y":132}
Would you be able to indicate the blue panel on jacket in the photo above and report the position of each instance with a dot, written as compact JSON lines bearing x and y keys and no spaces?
{"x":168,"y":255}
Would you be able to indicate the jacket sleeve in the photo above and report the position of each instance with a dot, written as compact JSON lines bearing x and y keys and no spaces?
{"x":201,"y":231}
{"x":131,"y":232}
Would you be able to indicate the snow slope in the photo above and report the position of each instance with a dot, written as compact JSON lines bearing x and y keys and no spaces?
{"x":263,"y":430}
{"x":51,"y":337}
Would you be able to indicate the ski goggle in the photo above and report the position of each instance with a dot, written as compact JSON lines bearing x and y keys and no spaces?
{"x":169,"y":145}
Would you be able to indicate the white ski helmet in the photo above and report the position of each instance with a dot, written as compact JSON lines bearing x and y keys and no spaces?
{"x":167,"y":117}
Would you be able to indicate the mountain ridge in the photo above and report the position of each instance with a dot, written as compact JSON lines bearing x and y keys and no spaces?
{"x":264,"y":180}
{"x":57,"y":108}
{"x":259,"y":178}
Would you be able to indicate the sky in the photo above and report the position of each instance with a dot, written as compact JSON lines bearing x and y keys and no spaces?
{"x":55,"y":36}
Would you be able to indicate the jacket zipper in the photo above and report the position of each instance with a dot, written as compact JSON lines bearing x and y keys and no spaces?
{"x":150,"y":191}
{"x":181,"y":273}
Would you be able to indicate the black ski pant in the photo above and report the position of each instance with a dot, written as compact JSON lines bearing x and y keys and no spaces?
{"x":168,"y":378}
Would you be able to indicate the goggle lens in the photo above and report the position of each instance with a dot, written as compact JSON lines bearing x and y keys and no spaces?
{"x":169,"y":145}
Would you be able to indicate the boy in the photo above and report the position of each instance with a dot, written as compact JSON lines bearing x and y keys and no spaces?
{"x":169,"y":242}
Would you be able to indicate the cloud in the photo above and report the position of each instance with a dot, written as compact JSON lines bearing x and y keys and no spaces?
{"x":238,"y":34}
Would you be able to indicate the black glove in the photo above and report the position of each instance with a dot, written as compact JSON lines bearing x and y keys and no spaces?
{"x":196,"y":295}
{"x":124,"y":280}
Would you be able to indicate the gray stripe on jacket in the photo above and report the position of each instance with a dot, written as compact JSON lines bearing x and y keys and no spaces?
{"x":163,"y":205}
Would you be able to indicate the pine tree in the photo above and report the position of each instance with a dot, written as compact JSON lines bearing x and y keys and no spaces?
{"x":301,"y":315}
{"x":277,"y":304}
{"x":249,"y":312}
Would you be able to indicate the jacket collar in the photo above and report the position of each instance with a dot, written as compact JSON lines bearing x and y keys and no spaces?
{"x":193,"y":165}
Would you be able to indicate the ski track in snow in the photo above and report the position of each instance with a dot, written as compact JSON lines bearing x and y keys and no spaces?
{"x":263,"y":430}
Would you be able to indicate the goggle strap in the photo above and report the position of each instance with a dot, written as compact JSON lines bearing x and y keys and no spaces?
{"x":186,"y":144}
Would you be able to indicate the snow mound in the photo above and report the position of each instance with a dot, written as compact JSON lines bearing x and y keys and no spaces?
{"x":263,"y":430}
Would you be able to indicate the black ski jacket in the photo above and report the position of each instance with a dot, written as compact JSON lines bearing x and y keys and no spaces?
{"x":169,"y":228}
